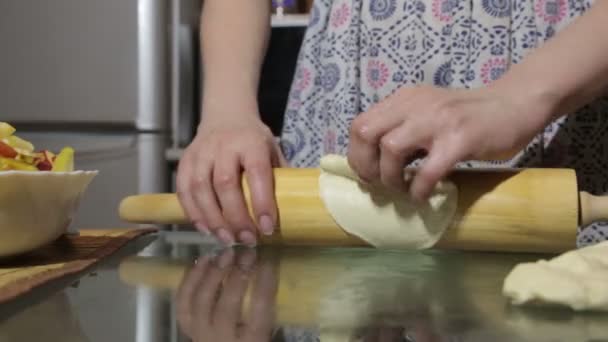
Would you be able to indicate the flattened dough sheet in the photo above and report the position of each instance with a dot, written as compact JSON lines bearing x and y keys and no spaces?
{"x":384,"y":218}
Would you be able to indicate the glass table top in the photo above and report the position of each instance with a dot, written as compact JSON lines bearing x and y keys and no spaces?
{"x":178,"y":286}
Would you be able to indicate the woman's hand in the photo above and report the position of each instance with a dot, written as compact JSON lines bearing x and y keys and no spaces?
{"x":210,"y":299}
{"x":209,"y":177}
{"x":446,"y":125}
{"x":485,"y":123}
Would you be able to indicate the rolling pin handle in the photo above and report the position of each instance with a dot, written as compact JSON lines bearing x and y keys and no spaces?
{"x":592,"y":208}
{"x":162,"y":208}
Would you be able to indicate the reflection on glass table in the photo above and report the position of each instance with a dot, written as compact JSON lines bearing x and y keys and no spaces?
{"x":50,"y":319}
{"x":310,"y":294}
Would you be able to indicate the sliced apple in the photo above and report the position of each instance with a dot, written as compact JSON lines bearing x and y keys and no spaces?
{"x":12,"y":164}
{"x":27,"y":158}
{"x":6,"y":130}
{"x":64,"y":161}
{"x":22,"y":146}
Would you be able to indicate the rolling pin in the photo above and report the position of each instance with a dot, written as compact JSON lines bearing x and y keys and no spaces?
{"x":527,"y":210}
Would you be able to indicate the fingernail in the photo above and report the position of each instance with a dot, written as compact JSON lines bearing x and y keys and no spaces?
{"x":408,"y":176}
{"x":225,"y":236}
{"x":247,"y":238}
{"x":202,"y":227}
{"x":266,"y":225}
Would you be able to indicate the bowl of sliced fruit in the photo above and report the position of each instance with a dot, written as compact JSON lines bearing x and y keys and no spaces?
{"x":39,"y":193}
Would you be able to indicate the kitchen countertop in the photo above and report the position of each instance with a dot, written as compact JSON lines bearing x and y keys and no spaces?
{"x":290,"y":294}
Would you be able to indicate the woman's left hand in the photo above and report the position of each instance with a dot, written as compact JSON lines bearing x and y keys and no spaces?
{"x":447,"y":125}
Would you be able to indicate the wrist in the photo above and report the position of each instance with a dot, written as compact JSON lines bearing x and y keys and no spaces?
{"x":220,"y":123}
{"x":540,"y":97}
{"x":234,"y":82}
{"x":229,"y":104}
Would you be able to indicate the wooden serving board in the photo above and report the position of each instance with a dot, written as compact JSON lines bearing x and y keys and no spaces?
{"x":68,"y":255}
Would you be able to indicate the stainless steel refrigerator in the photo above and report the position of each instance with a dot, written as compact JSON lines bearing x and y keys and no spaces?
{"x":113,"y":79}
{"x":116,"y":80}
{"x":119,"y":81}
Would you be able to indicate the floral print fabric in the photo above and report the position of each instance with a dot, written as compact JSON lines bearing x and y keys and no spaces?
{"x":357,"y":52}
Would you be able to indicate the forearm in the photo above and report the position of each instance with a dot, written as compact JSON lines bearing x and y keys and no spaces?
{"x":234,"y":36}
{"x":568,"y":71}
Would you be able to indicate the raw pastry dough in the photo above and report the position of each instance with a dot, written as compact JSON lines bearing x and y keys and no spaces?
{"x":382,"y":217}
{"x":578,"y":279}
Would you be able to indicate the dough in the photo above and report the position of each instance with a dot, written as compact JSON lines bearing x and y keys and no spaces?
{"x":382,"y":217}
{"x":577,"y":279}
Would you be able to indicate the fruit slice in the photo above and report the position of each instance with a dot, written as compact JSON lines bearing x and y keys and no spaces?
{"x":12,"y":164}
{"x":64,"y":162}
{"x":6,"y":130}
{"x":7,"y":151}
{"x":19,"y":144}
{"x":29,"y":158}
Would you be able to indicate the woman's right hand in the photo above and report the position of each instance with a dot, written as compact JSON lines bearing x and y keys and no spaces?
{"x":209,"y":178}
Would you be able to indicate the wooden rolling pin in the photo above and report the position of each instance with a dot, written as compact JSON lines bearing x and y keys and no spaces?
{"x":529,"y":210}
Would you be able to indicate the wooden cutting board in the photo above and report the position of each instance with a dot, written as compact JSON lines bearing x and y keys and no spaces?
{"x":68,"y":255}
